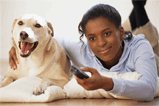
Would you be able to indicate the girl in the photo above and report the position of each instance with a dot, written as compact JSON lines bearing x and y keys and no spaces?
{"x":109,"y":48}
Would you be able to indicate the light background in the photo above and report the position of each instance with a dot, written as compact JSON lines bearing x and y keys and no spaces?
{"x":64,"y":15}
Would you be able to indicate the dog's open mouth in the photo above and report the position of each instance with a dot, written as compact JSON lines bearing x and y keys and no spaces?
{"x":26,"y":48}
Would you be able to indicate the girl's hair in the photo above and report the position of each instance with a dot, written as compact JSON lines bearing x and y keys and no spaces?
{"x":101,"y":10}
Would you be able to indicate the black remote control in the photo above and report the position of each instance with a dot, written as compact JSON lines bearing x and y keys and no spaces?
{"x":79,"y":73}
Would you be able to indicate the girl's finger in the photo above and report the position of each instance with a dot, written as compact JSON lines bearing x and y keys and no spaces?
{"x":12,"y":63}
{"x":91,"y":70}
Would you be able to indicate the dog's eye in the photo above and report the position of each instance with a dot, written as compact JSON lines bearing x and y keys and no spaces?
{"x":20,"y":23}
{"x":38,"y":25}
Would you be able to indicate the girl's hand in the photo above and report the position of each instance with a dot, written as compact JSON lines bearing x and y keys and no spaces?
{"x":13,"y":61}
{"x":96,"y":81}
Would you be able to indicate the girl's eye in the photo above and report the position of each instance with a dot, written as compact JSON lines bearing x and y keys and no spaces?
{"x":107,"y":33}
{"x":20,"y":23}
{"x":38,"y":25}
{"x":92,"y":38}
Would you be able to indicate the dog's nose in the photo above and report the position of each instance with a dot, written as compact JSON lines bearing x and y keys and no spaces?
{"x":23,"y":35}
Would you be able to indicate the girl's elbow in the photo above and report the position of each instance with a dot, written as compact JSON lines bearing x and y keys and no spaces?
{"x":149,"y":96}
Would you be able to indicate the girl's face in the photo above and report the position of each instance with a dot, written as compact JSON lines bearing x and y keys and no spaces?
{"x":104,"y":39}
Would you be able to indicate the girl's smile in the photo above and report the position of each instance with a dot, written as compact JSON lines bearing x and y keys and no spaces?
{"x":105,"y":50}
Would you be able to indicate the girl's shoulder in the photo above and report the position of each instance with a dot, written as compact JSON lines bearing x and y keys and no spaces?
{"x":137,"y":40}
{"x":139,"y":46}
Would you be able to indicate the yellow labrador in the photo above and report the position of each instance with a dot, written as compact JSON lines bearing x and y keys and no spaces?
{"x":38,"y":53}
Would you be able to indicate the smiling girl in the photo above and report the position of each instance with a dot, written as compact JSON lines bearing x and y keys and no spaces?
{"x":108,"y":48}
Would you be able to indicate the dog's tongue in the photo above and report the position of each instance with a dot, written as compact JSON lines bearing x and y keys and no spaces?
{"x":26,"y":48}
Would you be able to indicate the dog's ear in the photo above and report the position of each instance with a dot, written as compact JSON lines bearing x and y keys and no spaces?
{"x":13,"y":25}
{"x":13,"y":41}
{"x":50,"y":31}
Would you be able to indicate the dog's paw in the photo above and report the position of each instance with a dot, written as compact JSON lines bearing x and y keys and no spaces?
{"x":6,"y":81}
{"x":38,"y":90}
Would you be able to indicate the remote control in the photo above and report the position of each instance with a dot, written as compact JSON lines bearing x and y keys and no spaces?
{"x":79,"y":73}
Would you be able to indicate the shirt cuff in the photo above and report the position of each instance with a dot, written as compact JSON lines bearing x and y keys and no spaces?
{"x":119,"y":86}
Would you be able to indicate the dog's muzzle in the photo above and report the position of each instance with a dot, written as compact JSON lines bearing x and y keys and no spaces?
{"x":26,"y":47}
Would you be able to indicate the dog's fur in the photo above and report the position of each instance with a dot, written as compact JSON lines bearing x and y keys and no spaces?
{"x":48,"y":61}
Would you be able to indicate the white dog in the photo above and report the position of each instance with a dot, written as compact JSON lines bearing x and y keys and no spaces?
{"x":38,"y":54}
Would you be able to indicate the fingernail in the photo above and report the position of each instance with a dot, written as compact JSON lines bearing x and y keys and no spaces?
{"x":81,"y":67}
{"x":17,"y":62}
{"x":14,"y":67}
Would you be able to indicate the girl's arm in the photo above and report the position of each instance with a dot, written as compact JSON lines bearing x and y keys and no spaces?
{"x":70,"y":46}
{"x":144,"y":88}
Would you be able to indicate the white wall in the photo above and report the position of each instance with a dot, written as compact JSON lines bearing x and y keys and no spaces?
{"x":64,"y":15}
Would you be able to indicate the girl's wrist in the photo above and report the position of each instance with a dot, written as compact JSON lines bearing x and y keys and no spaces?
{"x":108,"y":83}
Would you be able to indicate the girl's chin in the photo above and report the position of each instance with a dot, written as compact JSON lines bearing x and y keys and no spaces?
{"x":105,"y":58}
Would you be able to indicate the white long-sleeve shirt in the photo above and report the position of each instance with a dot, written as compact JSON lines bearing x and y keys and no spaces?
{"x":137,"y":56}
